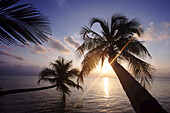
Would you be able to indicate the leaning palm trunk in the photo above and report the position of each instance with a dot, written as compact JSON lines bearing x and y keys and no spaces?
{"x":14,"y":91}
{"x":141,"y":100}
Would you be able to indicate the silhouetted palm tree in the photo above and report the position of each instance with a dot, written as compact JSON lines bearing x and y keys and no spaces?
{"x":60,"y":75}
{"x":22,"y":23}
{"x":107,"y":44}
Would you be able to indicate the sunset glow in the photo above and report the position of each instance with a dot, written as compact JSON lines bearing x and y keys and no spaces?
{"x":106,"y":68}
{"x":84,"y":56}
{"x":106,"y":86}
{"x":64,"y":42}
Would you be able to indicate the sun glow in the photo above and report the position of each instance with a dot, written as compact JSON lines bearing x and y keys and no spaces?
{"x":106,"y":67}
{"x":106,"y":86}
{"x":106,"y":81}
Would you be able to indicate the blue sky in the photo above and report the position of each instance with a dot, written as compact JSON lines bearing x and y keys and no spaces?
{"x":68,"y":16}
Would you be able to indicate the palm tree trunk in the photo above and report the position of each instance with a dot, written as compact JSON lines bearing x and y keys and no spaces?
{"x":14,"y":91}
{"x":64,"y":99}
{"x":141,"y":100}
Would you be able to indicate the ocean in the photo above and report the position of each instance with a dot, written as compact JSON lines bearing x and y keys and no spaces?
{"x":103,"y":96}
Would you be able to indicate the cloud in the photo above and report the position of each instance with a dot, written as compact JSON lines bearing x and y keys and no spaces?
{"x":57,"y":45}
{"x":166,"y":24}
{"x":70,"y":41}
{"x":46,"y":56}
{"x":5,"y":47}
{"x":20,"y":70}
{"x":10,"y":55}
{"x":162,"y":32}
{"x":38,"y":49}
{"x":53,"y":44}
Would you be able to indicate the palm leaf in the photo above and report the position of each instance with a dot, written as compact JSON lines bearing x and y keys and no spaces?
{"x":114,"y":21}
{"x":141,"y":70}
{"x":91,"y":60}
{"x":7,"y":3}
{"x":47,"y":72}
{"x":89,"y":44}
{"x":73,"y":73}
{"x":22,"y":23}
{"x":103,"y":24}
{"x":63,"y":88}
{"x":135,"y":47}
{"x":72,"y":84}
{"x":51,"y":80}
{"x":86,"y":30}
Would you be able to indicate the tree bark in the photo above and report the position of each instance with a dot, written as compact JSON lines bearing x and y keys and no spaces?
{"x":14,"y":91}
{"x":141,"y":100}
{"x":64,"y":99}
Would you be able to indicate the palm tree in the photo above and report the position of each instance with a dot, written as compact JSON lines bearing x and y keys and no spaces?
{"x":60,"y":75}
{"x":22,"y":23}
{"x":108,"y":43}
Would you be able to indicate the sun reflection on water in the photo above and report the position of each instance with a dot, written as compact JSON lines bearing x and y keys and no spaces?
{"x":106,"y":86}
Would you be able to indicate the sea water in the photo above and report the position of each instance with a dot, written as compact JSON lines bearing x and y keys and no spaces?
{"x":104,"y":95}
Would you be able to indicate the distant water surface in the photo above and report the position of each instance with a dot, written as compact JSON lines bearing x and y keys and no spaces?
{"x":106,"y":96}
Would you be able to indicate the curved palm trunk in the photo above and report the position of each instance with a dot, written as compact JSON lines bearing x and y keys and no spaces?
{"x":141,"y":100}
{"x":14,"y":91}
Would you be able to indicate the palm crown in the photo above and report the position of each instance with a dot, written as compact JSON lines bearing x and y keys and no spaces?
{"x":22,"y":23}
{"x":60,"y":75}
{"x":108,"y":43}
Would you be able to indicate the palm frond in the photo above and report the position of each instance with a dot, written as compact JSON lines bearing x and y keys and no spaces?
{"x":5,"y":38}
{"x":61,"y":66}
{"x":128,"y":28}
{"x":73,"y":84}
{"x":50,"y":80}
{"x":80,"y":50}
{"x":86,"y":31}
{"x":23,"y":23}
{"x":135,"y":27}
{"x":89,"y":44}
{"x":103,"y":24}
{"x":102,"y":61}
{"x":141,"y":70}
{"x":115,"y":19}
{"x":7,"y":3}
{"x":73,"y":73}
{"x":63,"y":88}
{"x":47,"y":72}
{"x":91,"y":60}
{"x":135,"y":47}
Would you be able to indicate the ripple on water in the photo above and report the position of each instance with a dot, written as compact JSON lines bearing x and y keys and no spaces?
{"x":95,"y":101}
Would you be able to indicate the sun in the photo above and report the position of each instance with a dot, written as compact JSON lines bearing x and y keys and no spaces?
{"x":106,"y":70}
{"x":106,"y":67}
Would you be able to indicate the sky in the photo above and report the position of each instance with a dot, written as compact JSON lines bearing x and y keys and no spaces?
{"x":67,"y":17}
